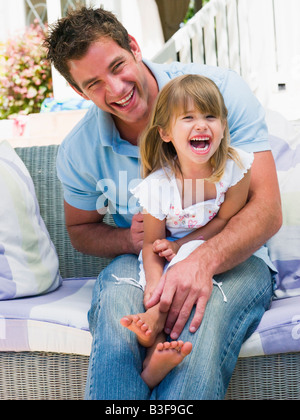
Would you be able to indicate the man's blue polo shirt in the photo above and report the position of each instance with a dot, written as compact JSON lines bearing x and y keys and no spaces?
{"x":97,"y":167}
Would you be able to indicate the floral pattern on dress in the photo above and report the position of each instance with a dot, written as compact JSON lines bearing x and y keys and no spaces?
{"x":192,"y":218}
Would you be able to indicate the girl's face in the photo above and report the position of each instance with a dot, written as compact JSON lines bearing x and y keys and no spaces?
{"x":195,"y":136}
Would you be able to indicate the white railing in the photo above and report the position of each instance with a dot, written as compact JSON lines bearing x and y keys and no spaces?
{"x":257,"y":38}
{"x":210,"y":37}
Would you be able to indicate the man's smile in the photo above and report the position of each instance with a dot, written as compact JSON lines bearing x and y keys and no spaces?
{"x":126,"y":100}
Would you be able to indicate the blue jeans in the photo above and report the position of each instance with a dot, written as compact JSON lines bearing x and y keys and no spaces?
{"x":116,"y":357}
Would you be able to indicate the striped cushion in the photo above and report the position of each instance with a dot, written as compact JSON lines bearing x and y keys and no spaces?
{"x":28,"y":260}
{"x":284,"y":247}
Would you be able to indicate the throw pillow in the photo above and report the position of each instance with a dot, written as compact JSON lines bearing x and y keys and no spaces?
{"x":284,"y":247}
{"x":28,"y":259}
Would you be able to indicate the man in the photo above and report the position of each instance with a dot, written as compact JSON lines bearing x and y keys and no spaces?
{"x":102,"y":63}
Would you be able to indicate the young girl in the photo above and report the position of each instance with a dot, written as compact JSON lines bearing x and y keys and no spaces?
{"x":194,"y":183}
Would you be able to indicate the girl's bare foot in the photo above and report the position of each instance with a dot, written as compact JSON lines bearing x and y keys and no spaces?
{"x":146,"y":325}
{"x":136,"y":324}
{"x":165,"y":357}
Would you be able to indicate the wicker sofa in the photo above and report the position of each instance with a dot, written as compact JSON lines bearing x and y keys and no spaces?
{"x":44,"y":375}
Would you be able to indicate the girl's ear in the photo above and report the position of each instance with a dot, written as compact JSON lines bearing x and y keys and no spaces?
{"x":164,"y":135}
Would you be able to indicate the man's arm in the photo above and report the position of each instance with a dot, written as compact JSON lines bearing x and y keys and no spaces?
{"x":90,"y":235}
{"x":189,"y":282}
{"x":257,"y":222}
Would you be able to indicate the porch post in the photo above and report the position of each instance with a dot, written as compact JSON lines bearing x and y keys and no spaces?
{"x":61,"y":89}
{"x":93,"y":3}
{"x":53,"y":10}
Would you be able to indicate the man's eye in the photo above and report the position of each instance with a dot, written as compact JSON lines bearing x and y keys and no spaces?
{"x":93,"y":84}
{"x":117,"y":66}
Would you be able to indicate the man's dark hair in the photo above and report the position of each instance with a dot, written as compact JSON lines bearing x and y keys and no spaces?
{"x":70,"y":37}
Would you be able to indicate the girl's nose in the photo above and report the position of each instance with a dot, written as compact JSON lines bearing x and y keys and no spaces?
{"x":200,"y":124}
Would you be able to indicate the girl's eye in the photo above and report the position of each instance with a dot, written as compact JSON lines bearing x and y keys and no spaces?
{"x":210,"y":117}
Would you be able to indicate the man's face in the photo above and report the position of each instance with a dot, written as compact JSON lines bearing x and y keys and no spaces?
{"x":116,"y":80}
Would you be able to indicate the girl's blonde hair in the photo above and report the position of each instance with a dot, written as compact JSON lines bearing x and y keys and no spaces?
{"x":174,"y":99}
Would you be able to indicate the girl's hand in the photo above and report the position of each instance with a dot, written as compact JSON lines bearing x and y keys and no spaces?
{"x":166,"y":249}
{"x":149,"y":289}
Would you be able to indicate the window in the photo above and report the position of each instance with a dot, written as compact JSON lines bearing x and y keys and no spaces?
{"x":35,"y":9}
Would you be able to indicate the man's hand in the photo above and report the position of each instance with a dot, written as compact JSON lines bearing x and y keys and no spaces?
{"x":137,"y":232}
{"x":184,"y":285}
{"x":166,"y":249}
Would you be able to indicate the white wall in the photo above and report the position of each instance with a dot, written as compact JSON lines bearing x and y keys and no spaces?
{"x":12,"y":17}
{"x":280,"y":47}
{"x":287,"y":15}
{"x":274,"y":34}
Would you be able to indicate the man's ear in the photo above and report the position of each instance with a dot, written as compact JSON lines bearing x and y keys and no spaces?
{"x":135,"y":48}
{"x":164,"y":135}
{"x":79,"y":92}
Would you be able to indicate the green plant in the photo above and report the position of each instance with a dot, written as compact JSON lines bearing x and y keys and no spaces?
{"x":191,"y":10}
{"x":25,"y":74}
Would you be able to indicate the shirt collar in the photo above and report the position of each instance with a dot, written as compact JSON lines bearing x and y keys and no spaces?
{"x":159,"y":72}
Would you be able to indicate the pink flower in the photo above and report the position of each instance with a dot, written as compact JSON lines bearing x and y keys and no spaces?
{"x":32,"y":92}
{"x":25,"y":74}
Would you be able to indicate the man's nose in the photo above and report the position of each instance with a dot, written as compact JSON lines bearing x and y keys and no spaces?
{"x":114,"y":86}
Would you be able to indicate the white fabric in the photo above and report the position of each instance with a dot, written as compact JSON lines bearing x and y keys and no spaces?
{"x":55,"y":322}
{"x":28,"y":259}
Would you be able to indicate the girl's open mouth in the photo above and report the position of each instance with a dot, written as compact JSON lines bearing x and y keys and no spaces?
{"x":200,"y":145}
